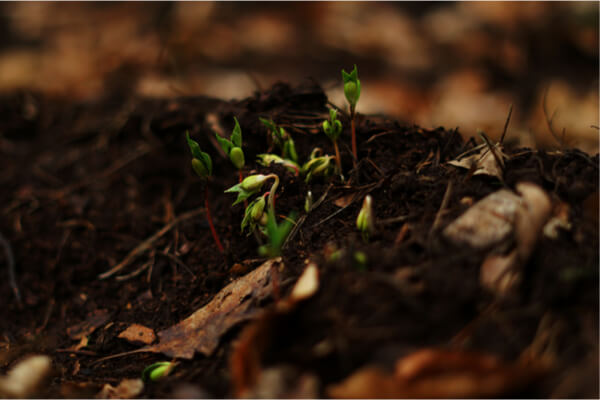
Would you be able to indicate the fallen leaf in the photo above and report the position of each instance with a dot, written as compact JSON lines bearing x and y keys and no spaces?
{"x":127,"y":389}
{"x":245,"y":360}
{"x":433,"y":373}
{"x":482,"y":160}
{"x":138,"y":334}
{"x":307,"y":284}
{"x":344,"y":201}
{"x":202,"y":330}
{"x":23,"y":380}
{"x":91,"y":323}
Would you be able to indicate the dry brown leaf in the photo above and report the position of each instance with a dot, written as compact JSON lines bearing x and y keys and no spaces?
{"x":23,"y":380}
{"x":202,"y":330}
{"x":127,"y":389}
{"x":245,"y":359}
{"x":484,"y":161}
{"x":91,"y":323}
{"x":344,"y":201}
{"x":433,"y":373}
{"x":138,"y":334}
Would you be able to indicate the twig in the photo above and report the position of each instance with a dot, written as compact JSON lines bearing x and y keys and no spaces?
{"x":146,"y":244}
{"x":10,"y":262}
{"x":549,"y":120}
{"x":506,"y":124}
{"x":445,"y":200}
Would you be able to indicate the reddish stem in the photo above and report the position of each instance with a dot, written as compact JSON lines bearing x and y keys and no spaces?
{"x":210,"y":222}
{"x":354,"y":152}
{"x":338,"y":160}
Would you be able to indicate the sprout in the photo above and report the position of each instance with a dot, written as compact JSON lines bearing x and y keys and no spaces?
{"x":308,"y":201}
{"x":202,"y":165}
{"x":157,"y":371}
{"x":317,"y":165}
{"x":365,"y":219}
{"x":360,"y":260}
{"x":233,"y":146}
{"x":254,"y":214}
{"x":277,"y":234}
{"x":352,"y":92}
{"x":201,"y":162}
{"x":351,"y":86}
{"x":333,"y":128}
{"x":249,"y":186}
{"x":282,"y":139}
{"x":268,"y":159}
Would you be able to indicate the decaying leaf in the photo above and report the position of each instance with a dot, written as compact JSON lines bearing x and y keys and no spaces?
{"x":285,"y":382}
{"x":432,"y":373}
{"x":245,"y":360}
{"x":202,"y":330}
{"x":23,"y":380}
{"x":487,"y":223}
{"x":138,"y":334}
{"x":127,"y":389}
{"x":91,"y":323}
{"x":502,"y":273}
{"x":482,"y":160}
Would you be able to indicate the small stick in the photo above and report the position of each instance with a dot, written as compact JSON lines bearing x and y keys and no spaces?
{"x":506,"y":124}
{"x":10,"y":261}
{"x":146,"y":244}
{"x":445,"y":200}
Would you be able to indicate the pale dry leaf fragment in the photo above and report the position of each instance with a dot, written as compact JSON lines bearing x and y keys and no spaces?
{"x":127,"y":389}
{"x":24,"y":379}
{"x":531,"y":218}
{"x":138,"y":334}
{"x":487,"y":223}
{"x":307,"y":284}
{"x":500,"y":273}
{"x":201,"y":331}
{"x":484,"y":161}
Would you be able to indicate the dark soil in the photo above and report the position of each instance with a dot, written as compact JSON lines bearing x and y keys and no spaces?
{"x":83,"y":184}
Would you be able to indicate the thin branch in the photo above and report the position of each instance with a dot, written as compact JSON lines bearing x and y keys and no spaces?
{"x":506,"y":124}
{"x":10,"y":262}
{"x":147,"y":244}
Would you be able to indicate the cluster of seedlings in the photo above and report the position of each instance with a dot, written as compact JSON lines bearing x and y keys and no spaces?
{"x":259,"y":215}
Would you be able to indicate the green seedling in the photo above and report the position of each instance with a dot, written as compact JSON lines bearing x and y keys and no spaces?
{"x":233,"y":147}
{"x":255,"y":214}
{"x":268,"y":159}
{"x":308,"y":201}
{"x":333,"y":129}
{"x":360,"y":260}
{"x":282,"y":139}
{"x":202,"y":165}
{"x":352,"y":93}
{"x":157,"y":371}
{"x":365,"y":220}
{"x":317,"y":165}
{"x":250,"y":185}
{"x":277,"y":233}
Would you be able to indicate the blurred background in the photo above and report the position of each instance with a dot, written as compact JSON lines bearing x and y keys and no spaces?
{"x":432,"y":64}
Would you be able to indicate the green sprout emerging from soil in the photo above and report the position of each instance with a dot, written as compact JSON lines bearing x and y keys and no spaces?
{"x":352,"y":93}
{"x":333,"y":129}
{"x":282,"y":139}
{"x":317,"y":165}
{"x":202,"y":165}
{"x":157,"y":371}
{"x":233,"y":147}
{"x":254,"y":213}
{"x":365,"y":220}
{"x":268,"y":159}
